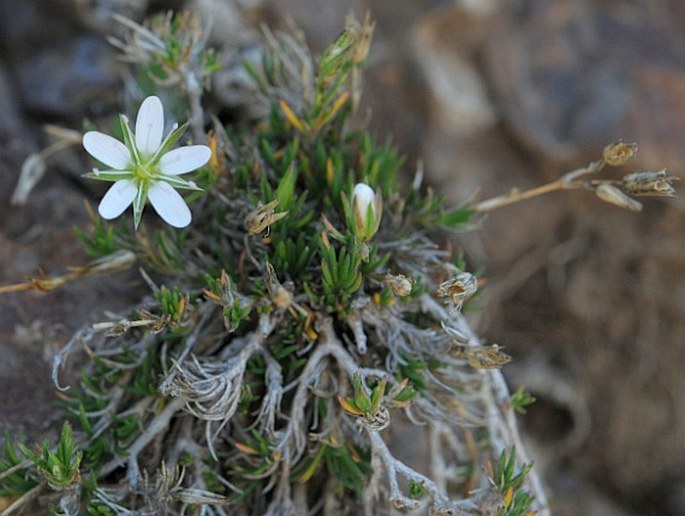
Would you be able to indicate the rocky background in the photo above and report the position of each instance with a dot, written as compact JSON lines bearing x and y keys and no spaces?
{"x":488,"y":95}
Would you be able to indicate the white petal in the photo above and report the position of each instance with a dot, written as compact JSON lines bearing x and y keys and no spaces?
{"x":119,"y":197}
{"x":107,"y":150}
{"x":362,"y":196}
{"x":169,"y":204}
{"x":150,"y":126}
{"x":184,"y":159}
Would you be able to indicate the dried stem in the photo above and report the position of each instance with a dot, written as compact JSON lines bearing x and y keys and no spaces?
{"x":516,"y":195}
{"x":117,"y":261}
{"x":24,"y":499}
{"x":396,"y":468}
{"x":193,"y":88}
{"x":154,"y":427}
{"x":503,"y":428}
{"x":568,"y":181}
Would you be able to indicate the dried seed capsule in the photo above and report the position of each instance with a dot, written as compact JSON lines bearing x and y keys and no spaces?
{"x":459,"y":288}
{"x":618,"y":153}
{"x":262,"y":217}
{"x":399,"y":284}
{"x":280,"y":296}
{"x":487,"y":357}
{"x":649,"y":183}
{"x":613,"y":195}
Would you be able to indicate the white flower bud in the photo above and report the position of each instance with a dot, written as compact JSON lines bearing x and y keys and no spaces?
{"x":367,"y":209}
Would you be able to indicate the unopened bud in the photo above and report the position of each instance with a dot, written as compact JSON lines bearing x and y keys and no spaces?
{"x":399,"y":284}
{"x":613,"y":195}
{"x":649,"y":183}
{"x":367,"y":210}
{"x":618,"y":153}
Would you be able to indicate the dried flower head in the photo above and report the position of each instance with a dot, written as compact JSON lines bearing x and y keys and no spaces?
{"x":280,"y":296}
{"x":262,"y":217}
{"x":487,"y":357}
{"x":458,"y":288}
{"x":144,"y":166}
{"x":618,"y":153}
{"x":649,"y":183}
{"x":399,"y":284}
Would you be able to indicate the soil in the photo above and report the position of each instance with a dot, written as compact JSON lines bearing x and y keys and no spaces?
{"x":489,"y":96}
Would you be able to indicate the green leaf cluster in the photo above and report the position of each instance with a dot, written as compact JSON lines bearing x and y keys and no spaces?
{"x":520,"y":400}
{"x":133,"y":374}
{"x":509,"y":480}
{"x":182,"y":38}
{"x":21,"y":480}
{"x":341,"y":276}
{"x":61,"y":467}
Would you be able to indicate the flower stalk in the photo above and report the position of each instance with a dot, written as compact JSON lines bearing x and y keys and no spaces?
{"x":648,"y":183}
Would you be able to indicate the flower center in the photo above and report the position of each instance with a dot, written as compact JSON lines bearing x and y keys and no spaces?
{"x":144,"y":171}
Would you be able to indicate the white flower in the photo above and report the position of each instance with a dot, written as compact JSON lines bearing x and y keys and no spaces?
{"x":367,"y":209}
{"x":144,"y":167}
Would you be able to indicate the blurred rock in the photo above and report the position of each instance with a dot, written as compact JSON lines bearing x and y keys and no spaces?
{"x":232,"y":22}
{"x":29,"y":25}
{"x":97,"y":15}
{"x":444,"y":42}
{"x":236,"y":35}
{"x":86,"y":60}
{"x":656,"y":115}
{"x":321,"y":24}
{"x":16,"y":140}
{"x":576,"y":496}
{"x":571,"y":76}
{"x":234,"y":89}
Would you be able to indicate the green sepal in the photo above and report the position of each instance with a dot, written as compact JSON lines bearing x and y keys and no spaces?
{"x":109,"y":175}
{"x":139,"y":203}
{"x":177,"y":182}
{"x":169,"y":142}
{"x":129,"y":139}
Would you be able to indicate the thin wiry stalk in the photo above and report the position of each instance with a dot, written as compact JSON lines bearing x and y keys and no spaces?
{"x":271,"y":403}
{"x":24,"y":499}
{"x":501,"y":418}
{"x":154,"y":427}
{"x":395,"y":469}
